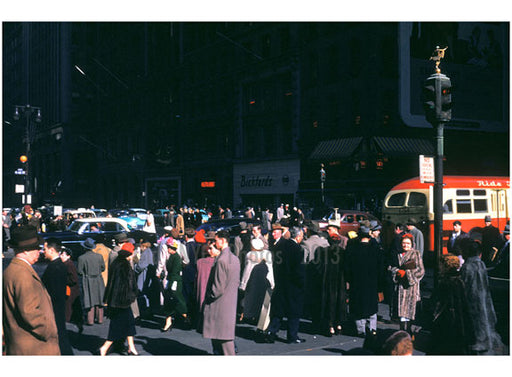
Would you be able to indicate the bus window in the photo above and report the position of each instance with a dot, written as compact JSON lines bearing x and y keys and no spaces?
{"x":463,"y":206}
{"x":448,"y":207}
{"x":462,"y":192}
{"x":397,"y":200}
{"x":480,"y":205}
{"x":416,"y":199}
{"x":479,"y":192}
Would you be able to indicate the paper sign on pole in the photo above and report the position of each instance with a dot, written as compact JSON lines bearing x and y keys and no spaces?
{"x":427,"y":169}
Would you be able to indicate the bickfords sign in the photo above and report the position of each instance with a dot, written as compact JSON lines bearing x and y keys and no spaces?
{"x":256,"y":181}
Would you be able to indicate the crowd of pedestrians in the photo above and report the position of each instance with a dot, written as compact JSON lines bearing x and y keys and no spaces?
{"x":281,"y":271}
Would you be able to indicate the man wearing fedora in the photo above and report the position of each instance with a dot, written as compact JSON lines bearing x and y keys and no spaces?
{"x":28,"y":321}
{"x":288,"y":296}
{"x":90,"y":266}
{"x":490,"y":239}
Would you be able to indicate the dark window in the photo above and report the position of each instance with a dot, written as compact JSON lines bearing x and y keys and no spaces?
{"x":462,"y":192}
{"x":397,"y":200}
{"x":480,"y":205}
{"x":349,"y":219}
{"x":416,"y":199}
{"x":448,"y":207}
{"x":479,"y":192}
{"x":463,"y":206}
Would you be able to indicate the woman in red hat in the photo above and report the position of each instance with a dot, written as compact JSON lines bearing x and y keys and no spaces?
{"x":120,"y":293}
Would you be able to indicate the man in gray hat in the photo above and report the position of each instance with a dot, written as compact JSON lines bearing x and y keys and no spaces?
{"x":90,"y":266}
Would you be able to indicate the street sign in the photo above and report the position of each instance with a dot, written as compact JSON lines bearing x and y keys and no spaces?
{"x":19,"y":189}
{"x":20,"y":172}
{"x":427,"y":169}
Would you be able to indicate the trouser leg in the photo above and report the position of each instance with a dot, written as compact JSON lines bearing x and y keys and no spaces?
{"x":275,"y":325}
{"x":373,"y":322}
{"x":361,"y":326}
{"x":293,"y":328}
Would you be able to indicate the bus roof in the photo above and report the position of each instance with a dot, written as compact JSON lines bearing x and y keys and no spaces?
{"x":456,"y":181}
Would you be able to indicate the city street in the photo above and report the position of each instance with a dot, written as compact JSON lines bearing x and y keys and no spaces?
{"x":151,"y":341}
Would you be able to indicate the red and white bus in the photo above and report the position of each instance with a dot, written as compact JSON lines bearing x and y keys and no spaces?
{"x":465,"y":198}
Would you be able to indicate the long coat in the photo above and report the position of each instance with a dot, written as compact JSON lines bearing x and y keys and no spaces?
{"x":74,"y":312}
{"x":407,"y":289}
{"x":480,"y":307}
{"x":28,"y":319}
{"x":364,"y":266}
{"x":289,"y":275}
{"x":121,"y":290}
{"x":332,"y":267}
{"x":220,"y":302}
{"x":54,"y":279}
{"x":142,"y":267}
{"x":90,"y":266}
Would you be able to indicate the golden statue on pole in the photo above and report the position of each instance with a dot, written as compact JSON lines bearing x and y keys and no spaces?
{"x":437,"y":55}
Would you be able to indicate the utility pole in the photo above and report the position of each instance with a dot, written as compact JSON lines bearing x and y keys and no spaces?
{"x":437,"y":102}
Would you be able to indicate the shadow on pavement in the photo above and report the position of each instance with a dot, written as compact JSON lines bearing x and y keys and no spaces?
{"x":161,"y":346}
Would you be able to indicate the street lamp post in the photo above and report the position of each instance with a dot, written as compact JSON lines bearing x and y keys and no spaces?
{"x":28,"y":111}
{"x":322,"y":181}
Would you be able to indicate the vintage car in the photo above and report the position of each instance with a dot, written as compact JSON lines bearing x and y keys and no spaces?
{"x":100,"y":229}
{"x":232,"y":225}
{"x":347,"y":220}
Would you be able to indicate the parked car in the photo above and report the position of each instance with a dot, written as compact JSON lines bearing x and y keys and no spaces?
{"x":347,"y":220}
{"x":232,"y":225}
{"x":133,"y":219}
{"x":97,"y":229}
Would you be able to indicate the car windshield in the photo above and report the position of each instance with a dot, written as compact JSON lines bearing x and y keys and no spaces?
{"x":75,"y":226}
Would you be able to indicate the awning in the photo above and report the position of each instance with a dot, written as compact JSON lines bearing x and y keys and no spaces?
{"x":398,"y":146}
{"x":335,"y":149}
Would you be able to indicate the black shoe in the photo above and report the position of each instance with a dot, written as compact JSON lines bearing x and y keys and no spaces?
{"x":80,"y":328}
{"x":270,"y":338}
{"x":296,"y":341}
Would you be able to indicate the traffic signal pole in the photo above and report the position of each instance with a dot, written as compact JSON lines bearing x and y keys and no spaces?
{"x":437,"y":103}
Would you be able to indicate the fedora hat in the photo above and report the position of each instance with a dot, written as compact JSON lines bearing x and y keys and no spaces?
{"x":88,"y":243}
{"x":121,"y":237}
{"x":277,"y":226}
{"x":25,"y":238}
{"x":374,"y":225}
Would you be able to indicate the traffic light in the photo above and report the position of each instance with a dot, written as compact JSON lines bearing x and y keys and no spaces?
{"x":437,"y":98}
{"x":446,"y":100}
{"x":429,"y":99}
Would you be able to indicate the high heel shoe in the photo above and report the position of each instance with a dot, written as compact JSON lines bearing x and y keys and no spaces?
{"x":168,"y":328}
{"x":339,"y":329}
{"x":132,"y":353}
{"x":330,"y":332}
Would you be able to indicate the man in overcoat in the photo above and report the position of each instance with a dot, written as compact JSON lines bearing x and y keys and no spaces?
{"x":219,"y":307}
{"x":28,"y":321}
{"x":90,"y":266}
{"x":54,"y":279}
{"x":288,"y":296}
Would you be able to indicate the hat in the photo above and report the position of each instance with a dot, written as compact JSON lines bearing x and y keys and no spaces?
{"x":364,"y":231}
{"x":199,"y":237}
{"x":128,"y":246}
{"x":27,"y":208}
{"x":334,"y":224}
{"x":168,"y":228}
{"x":175,"y":233}
{"x":210,"y":235}
{"x":88,"y":243}
{"x":507,"y":229}
{"x":457,"y":222}
{"x":172,"y":243}
{"x":25,"y":238}
{"x":277,"y":226}
{"x":121,"y":237}
{"x":257,"y":244}
{"x":313,"y":226}
{"x":374,"y":225}
{"x":487,"y":219}
{"x":243,"y":225}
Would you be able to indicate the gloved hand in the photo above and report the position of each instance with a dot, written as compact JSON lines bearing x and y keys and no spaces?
{"x":174,"y":285}
{"x":400,"y":273}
